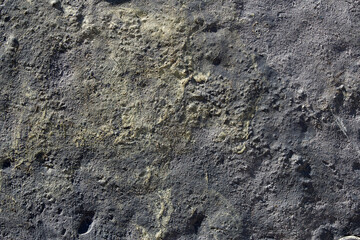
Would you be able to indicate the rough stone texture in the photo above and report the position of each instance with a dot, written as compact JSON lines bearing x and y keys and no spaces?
{"x":183,"y":119}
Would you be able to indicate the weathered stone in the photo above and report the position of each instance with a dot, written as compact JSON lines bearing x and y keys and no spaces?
{"x":179,"y":119}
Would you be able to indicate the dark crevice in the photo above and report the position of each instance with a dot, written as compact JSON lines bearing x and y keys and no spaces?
{"x":6,"y":164}
{"x":356,"y":166}
{"x":211,"y":28}
{"x":86,"y":222}
{"x":57,"y":5}
{"x":195,"y":222}
{"x":304,"y":169}
{"x":40,"y":157}
{"x":116,"y":2}
{"x":216,"y":61}
{"x":80,"y":18}
{"x":303,"y":125}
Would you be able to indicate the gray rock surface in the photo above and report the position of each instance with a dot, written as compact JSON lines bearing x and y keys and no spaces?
{"x":183,"y":119}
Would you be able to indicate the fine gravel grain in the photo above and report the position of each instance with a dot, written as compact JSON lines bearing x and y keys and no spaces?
{"x":201,"y":119}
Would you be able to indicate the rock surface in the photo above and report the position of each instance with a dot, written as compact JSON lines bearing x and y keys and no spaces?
{"x":183,"y":119}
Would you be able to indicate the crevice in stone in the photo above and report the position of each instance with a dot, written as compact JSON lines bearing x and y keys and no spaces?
{"x":85,"y":224}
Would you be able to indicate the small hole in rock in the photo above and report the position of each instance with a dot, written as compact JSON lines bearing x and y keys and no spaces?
{"x":196,"y":221}
{"x":80,"y":18}
{"x":303,"y":125}
{"x":211,"y":28}
{"x":6,"y":164}
{"x":308,"y":187}
{"x":86,"y":223}
{"x":356,"y":166}
{"x":304,"y":169}
{"x":59,"y":211}
{"x":217,"y":61}
{"x":40,"y":157}
{"x":325,"y":234}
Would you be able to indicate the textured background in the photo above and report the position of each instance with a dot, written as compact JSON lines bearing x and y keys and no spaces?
{"x":185,"y":119}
